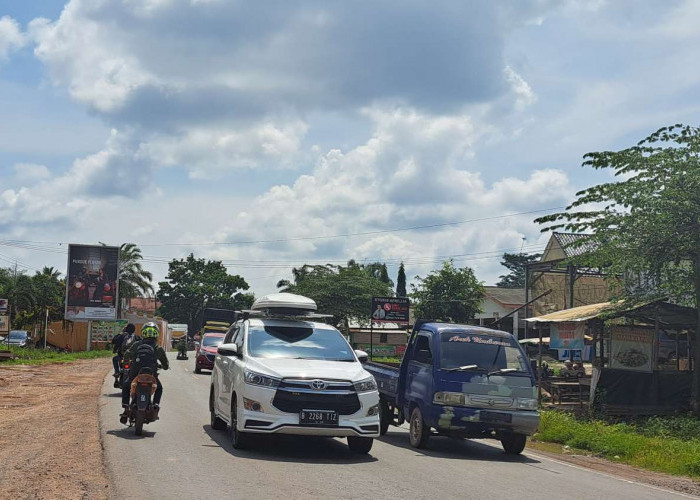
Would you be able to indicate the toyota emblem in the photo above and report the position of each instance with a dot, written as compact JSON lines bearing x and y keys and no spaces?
{"x":318,"y":385}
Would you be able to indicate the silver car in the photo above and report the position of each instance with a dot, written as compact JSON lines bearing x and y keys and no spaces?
{"x":17,"y":338}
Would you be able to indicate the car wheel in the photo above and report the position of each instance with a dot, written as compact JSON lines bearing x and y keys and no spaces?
{"x":360,"y":445}
{"x":385,"y":417}
{"x":216,"y":423}
{"x":419,"y":431}
{"x":514,"y":444}
{"x":239,"y":440}
{"x":197,"y":369}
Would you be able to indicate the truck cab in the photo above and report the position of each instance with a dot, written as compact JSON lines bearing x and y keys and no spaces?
{"x":460,"y":381}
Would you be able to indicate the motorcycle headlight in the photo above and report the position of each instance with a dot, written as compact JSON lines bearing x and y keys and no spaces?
{"x":366,"y":385}
{"x":449,"y":398}
{"x":254,"y":378}
{"x":527,"y":404}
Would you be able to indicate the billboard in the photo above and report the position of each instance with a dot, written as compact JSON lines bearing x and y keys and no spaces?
{"x":105,"y":331}
{"x":632,"y":348}
{"x":390,"y":310}
{"x":4,"y":323}
{"x":3,"y":306}
{"x":567,"y":335}
{"x":91,"y":284}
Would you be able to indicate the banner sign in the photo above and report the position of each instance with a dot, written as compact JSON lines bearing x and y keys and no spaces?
{"x":104,"y":331}
{"x":390,"y":310}
{"x":4,"y":323}
{"x":3,"y":306}
{"x":91,"y":284}
{"x":567,"y":335}
{"x":632,"y":348}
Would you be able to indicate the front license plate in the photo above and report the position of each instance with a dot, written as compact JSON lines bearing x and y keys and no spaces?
{"x":494,"y":417}
{"x":318,"y":418}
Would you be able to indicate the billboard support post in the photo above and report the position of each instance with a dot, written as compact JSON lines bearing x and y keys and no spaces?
{"x":46,"y":327}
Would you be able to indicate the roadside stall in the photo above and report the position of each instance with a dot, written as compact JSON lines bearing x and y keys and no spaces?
{"x":641,"y":354}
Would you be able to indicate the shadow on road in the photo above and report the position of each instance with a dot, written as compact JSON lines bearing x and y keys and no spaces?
{"x":113,"y":394}
{"x":287,"y":448}
{"x":460,"y":449}
{"x":128,"y":433}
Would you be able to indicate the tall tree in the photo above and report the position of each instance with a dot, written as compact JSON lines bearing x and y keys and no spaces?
{"x":449,"y":294}
{"x":646,"y":227}
{"x":515,"y":263}
{"x":401,"y":282}
{"x":50,"y":293}
{"x":18,"y":289}
{"x":344,"y":292}
{"x":195,"y":284}
{"x":134,"y":280}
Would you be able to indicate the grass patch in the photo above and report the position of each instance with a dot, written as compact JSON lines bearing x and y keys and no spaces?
{"x":386,"y":360}
{"x":651,"y":445}
{"x":32,"y":356}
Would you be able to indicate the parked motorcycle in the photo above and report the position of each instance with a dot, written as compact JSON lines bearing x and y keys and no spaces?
{"x":141,"y":410}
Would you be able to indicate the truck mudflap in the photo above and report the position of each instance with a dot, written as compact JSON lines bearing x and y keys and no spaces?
{"x":479,"y":422}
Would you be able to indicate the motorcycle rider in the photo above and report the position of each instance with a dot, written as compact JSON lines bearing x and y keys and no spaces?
{"x":150,"y":333}
{"x":118,"y":342}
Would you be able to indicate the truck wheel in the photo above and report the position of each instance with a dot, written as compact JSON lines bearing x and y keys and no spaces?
{"x":239,"y":440}
{"x":360,"y":445}
{"x":419,"y":432}
{"x":385,"y":417}
{"x":514,"y":444}
{"x":216,"y":423}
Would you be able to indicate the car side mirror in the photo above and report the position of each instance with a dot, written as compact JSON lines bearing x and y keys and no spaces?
{"x":227,"y":349}
{"x":362,"y":356}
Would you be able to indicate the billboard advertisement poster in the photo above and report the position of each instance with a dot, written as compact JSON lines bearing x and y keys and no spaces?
{"x":91,"y":284}
{"x":382,"y":351}
{"x":567,"y":335}
{"x":632,"y":348}
{"x":390,"y":310}
{"x":4,"y":303}
{"x":104,"y":331}
{"x":4,"y":323}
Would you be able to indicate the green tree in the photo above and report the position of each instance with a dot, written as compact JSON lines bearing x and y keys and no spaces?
{"x":18,"y":289}
{"x":645,"y":228}
{"x":344,"y":292}
{"x":449,"y":294}
{"x":401,"y":282}
{"x":134,"y":280}
{"x":515,"y":263}
{"x":195,"y":284}
{"x":50,"y":292}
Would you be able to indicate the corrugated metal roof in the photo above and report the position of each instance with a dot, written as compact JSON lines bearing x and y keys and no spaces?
{"x":581,"y":313}
{"x":574,"y":244}
{"x":511,"y":296}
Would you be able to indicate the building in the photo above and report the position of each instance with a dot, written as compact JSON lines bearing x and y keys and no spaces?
{"x":382,"y":340}
{"x":500,"y":302}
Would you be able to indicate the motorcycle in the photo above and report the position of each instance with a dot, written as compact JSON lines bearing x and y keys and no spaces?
{"x":119,"y":378}
{"x":141,"y":410}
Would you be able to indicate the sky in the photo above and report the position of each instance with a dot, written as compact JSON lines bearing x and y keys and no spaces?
{"x":272,"y":134}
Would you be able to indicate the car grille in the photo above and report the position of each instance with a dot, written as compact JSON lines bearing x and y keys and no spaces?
{"x":292,"y":396}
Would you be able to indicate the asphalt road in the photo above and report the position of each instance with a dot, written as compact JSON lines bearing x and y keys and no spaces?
{"x":181,"y":457}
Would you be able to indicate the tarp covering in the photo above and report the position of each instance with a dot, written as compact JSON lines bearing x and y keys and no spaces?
{"x":581,"y":313}
{"x":668,"y":389}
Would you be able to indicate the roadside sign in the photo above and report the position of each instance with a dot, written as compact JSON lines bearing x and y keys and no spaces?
{"x":92,"y":283}
{"x":4,"y":323}
{"x":105,"y":331}
{"x":3,"y":306}
{"x":390,"y":310}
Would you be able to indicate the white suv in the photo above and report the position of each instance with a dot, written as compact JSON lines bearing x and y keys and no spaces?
{"x":287,"y":375}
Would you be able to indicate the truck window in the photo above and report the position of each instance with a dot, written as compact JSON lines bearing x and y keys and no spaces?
{"x":422,"y":352}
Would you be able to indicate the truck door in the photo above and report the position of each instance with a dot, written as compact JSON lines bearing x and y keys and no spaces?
{"x":419,"y":373}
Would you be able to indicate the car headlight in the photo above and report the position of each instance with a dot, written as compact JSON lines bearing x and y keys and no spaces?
{"x":366,"y":385}
{"x":254,"y":378}
{"x":527,"y":404}
{"x":449,"y":398}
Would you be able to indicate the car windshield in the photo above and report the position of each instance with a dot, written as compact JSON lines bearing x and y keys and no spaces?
{"x":212,"y":341}
{"x":18,"y":335}
{"x":298,"y":342}
{"x":486,"y":352}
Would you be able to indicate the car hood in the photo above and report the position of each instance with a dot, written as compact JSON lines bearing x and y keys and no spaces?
{"x":309,"y":368}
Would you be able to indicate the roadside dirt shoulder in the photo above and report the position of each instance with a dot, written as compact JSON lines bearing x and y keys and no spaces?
{"x":623,"y":471}
{"x":49,"y":431}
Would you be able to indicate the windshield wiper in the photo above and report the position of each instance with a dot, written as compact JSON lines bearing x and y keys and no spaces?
{"x":505,"y":370}
{"x":464,"y":368}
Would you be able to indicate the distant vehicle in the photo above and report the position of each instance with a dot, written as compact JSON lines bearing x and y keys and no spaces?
{"x":278,"y":371}
{"x":462,"y":381}
{"x":17,"y":338}
{"x":216,"y":321}
{"x":206,"y":351}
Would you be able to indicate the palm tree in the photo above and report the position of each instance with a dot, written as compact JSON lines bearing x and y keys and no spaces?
{"x":134,"y":280}
{"x":19,"y":290}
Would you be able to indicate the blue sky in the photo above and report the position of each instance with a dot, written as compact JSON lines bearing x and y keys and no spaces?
{"x":179,"y":123}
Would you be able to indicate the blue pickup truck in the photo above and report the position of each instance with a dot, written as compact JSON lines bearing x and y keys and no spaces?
{"x":462,"y":381}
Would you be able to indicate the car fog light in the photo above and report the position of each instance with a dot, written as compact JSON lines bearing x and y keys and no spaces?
{"x":373,"y":410}
{"x":251,"y":405}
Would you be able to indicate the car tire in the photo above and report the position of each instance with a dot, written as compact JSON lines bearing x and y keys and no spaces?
{"x":197,"y":369}
{"x":419,"y":432}
{"x":385,"y":417}
{"x":216,"y":423}
{"x":514,"y":444}
{"x":360,"y":445}
{"x":239,"y":440}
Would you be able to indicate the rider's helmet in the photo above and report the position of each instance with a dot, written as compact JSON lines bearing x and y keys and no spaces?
{"x":150,"y":331}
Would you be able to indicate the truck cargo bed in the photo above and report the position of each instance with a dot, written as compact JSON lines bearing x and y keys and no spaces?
{"x":387,"y":378}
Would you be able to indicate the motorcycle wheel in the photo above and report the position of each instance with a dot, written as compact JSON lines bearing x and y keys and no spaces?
{"x":138,"y":423}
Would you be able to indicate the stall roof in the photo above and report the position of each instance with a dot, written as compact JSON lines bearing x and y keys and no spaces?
{"x":581,"y":313}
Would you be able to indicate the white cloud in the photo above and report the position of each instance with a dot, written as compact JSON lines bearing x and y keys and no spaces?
{"x":31,"y":172}
{"x":11,"y":37}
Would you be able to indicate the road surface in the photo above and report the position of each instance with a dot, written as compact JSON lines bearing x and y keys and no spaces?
{"x":181,"y":457}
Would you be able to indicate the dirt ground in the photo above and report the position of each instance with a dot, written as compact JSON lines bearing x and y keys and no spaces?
{"x":49,"y":431}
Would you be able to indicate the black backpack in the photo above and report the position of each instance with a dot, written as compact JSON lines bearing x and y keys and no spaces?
{"x":145,"y":357}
